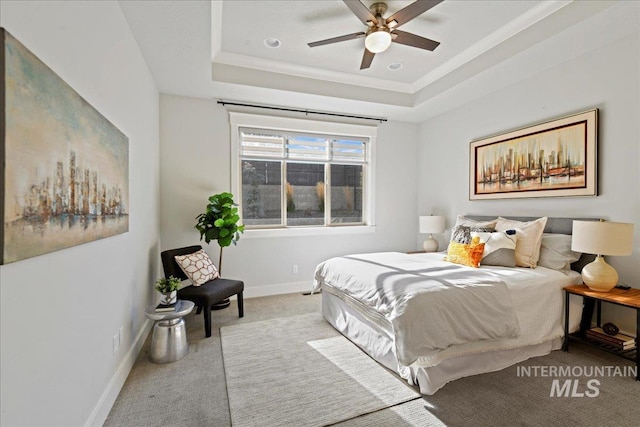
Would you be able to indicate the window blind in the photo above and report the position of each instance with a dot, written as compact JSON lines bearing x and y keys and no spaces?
{"x":256,"y":143}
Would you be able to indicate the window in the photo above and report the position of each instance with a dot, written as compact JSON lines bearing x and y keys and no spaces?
{"x":292,"y":173}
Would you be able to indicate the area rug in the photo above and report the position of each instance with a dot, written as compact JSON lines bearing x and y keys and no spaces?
{"x":298,"y":371}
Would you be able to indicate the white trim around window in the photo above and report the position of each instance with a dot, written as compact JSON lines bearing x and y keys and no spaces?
{"x":285,"y":124}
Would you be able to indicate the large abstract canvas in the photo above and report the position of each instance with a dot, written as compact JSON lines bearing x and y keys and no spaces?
{"x":555,"y":158}
{"x":65,"y":179}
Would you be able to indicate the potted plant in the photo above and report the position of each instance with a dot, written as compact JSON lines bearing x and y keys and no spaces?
{"x":220,"y":222}
{"x":168,"y":287}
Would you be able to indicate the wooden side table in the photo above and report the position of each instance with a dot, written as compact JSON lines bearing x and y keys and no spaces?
{"x":624,"y":297}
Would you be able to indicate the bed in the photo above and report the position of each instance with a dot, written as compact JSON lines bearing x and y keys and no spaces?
{"x":433,"y":322}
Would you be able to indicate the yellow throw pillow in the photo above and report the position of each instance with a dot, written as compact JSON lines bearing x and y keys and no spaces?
{"x":466,"y":254}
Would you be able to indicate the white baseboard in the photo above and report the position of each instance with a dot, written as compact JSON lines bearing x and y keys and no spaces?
{"x":101,"y":411}
{"x":283,"y":288}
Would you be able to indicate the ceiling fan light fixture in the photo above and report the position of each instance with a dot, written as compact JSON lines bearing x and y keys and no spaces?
{"x":378,"y":41}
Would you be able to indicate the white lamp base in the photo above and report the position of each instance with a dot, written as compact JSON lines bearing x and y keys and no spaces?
{"x":430,"y":245}
{"x":599,"y":276}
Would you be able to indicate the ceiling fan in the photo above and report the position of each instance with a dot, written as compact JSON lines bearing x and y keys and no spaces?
{"x":382,"y":31}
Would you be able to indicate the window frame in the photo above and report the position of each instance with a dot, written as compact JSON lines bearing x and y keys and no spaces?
{"x":240,"y":120}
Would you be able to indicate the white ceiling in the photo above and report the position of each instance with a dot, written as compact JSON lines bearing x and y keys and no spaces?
{"x":457,"y":25}
{"x":215,"y":49}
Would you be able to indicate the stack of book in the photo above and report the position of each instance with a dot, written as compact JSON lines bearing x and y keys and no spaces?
{"x":163,"y":308}
{"x":619,"y":341}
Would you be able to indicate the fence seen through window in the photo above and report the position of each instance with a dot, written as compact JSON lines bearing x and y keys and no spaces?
{"x":291,"y":179}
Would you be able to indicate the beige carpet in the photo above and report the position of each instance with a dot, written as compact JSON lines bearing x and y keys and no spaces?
{"x":192,"y":391}
{"x":298,"y":371}
{"x":414,"y":413}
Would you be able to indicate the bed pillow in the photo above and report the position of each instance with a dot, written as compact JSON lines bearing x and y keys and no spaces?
{"x":468,"y":222}
{"x":529,"y":239}
{"x":461,"y":231}
{"x":556,"y":253}
{"x":466,"y":254}
{"x":198,"y":267}
{"x":461,"y":234}
{"x":499,"y":248}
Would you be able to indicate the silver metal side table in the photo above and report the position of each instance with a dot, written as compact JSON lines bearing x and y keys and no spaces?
{"x":169,"y":339}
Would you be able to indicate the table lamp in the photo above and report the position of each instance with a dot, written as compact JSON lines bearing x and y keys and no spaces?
{"x":431,"y":224}
{"x":601,"y":238}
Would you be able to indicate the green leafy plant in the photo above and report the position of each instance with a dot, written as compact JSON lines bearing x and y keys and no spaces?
{"x":165,"y":285}
{"x":220,"y":222}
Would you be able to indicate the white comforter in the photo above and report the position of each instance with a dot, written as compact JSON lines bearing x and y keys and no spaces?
{"x":431,"y":304}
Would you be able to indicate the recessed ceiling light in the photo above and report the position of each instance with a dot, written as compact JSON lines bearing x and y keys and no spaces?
{"x":272,"y":42}
{"x":395,"y":66}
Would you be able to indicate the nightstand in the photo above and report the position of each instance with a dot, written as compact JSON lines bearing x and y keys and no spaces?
{"x":626,"y":298}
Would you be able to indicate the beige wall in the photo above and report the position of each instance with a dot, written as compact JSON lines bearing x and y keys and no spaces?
{"x":606,"y":78}
{"x":60,"y":311}
{"x":195,"y":163}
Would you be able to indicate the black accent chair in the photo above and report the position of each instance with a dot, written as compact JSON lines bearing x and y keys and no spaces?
{"x":207,"y":294}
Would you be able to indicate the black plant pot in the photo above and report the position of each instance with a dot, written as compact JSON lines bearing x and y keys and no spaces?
{"x":222,"y":304}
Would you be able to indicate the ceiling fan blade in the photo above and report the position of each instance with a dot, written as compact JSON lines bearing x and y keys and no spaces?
{"x":361,"y":11}
{"x":366,"y":59}
{"x":337,"y":39}
{"x":410,"y":39}
{"x":408,"y":13}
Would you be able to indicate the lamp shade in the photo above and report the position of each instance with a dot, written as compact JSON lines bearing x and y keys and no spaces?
{"x":431,"y":224}
{"x":602,"y":238}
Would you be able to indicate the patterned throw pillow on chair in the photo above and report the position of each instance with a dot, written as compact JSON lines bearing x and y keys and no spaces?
{"x":198,"y":267}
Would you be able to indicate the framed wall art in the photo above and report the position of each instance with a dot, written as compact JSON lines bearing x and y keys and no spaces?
{"x":65,"y":175}
{"x":555,"y":158}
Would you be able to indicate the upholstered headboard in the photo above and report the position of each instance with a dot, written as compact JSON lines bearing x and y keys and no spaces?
{"x":554,"y":225}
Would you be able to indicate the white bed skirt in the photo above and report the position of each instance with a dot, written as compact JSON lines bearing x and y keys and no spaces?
{"x":379,"y":345}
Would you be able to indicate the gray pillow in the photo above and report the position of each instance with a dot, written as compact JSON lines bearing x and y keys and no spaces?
{"x":556,"y":253}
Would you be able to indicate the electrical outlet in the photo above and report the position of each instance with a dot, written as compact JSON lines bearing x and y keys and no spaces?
{"x":295,"y":268}
{"x":120,"y":335}
{"x":116,"y":343}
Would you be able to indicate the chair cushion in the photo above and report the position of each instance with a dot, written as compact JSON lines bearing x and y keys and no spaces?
{"x":212,"y":291}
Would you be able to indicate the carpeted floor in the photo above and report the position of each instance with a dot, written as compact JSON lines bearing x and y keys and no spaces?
{"x":193,"y":392}
{"x":296,"y":371}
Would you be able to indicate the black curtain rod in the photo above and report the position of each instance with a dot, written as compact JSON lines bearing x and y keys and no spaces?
{"x":295,"y":110}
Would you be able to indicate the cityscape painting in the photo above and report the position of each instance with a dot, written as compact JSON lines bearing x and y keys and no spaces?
{"x":65,"y":179}
{"x":556,"y":158}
